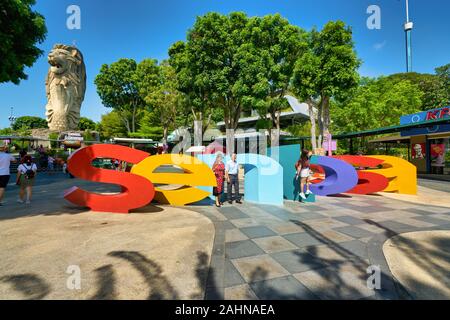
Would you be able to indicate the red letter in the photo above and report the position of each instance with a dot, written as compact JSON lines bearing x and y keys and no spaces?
{"x":368,"y":182}
{"x":136,"y":190}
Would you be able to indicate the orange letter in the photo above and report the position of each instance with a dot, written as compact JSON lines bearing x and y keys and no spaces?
{"x":401,"y":174}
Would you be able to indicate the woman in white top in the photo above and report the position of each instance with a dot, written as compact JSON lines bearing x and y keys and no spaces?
{"x":5,"y":161}
{"x":26,"y":173}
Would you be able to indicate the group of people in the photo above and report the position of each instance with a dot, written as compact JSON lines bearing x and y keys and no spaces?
{"x":226,"y":172}
{"x":229,"y":172}
{"x":26,"y":174}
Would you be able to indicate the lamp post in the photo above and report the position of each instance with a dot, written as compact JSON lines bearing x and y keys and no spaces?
{"x":408,"y":28}
{"x":11,"y":118}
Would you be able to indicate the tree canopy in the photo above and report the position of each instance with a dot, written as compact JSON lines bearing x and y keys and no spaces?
{"x":29,"y":122}
{"x":216,"y":65}
{"x":327,"y":70}
{"x":111,"y":125}
{"x":20,"y":29}
{"x":86,"y":124}
{"x":118,"y":85}
{"x":375,"y":104}
{"x":435,"y":87}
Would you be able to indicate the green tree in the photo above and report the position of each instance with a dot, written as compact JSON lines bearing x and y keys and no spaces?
{"x":29,"y":122}
{"x":216,"y":66}
{"x":162,"y":96}
{"x":376,"y":103}
{"x":111,"y":125}
{"x":326,"y":71}
{"x":86,"y":124}
{"x":118,"y":85}
{"x":443,"y":73}
{"x":278,"y":45}
{"x":433,"y":86}
{"x":20,"y":29}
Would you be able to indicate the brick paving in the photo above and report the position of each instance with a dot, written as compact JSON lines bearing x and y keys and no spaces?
{"x":310,"y":251}
{"x":299,"y":251}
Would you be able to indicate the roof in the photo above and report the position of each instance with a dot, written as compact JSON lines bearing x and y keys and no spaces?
{"x":395,"y":138}
{"x":385,"y":130}
{"x":299,"y":110}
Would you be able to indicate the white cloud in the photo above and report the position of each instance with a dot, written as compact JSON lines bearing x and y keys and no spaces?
{"x":380,"y":45}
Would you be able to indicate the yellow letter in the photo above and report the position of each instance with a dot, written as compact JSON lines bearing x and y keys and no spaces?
{"x":401,"y":174}
{"x":196,"y":173}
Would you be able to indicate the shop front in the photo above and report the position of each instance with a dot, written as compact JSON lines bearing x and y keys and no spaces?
{"x":430,"y":146}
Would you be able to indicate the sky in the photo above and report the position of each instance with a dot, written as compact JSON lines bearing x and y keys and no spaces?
{"x":138,"y":29}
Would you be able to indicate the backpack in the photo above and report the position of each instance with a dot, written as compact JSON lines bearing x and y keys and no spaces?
{"x":29,"y":174}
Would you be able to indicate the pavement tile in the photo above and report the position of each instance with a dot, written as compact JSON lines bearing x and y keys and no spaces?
{"x":422,"y":211}
{"x":246,"y":222}
{"x":309,"y":216}
{"x":224,"y":225}
{"x":318,"y":282}
{"x":323,"y":224}
{"x":441,"y":216}
{"x":298,"y":260}
{"x":395,"y":226}
{"x":257,"y":232}
{"x":286,"y":228}
{"x":286,"y":288}
{"x":334,"y":236}
{"x":325,"y":253}
{"x":353,"y":249}
{"x":414,"y":222}
{"x":372,"y":228}
{"x":274,"y":244}
{"x":302,"y":239}
{"x":232,"y":277}
{"x":239,"y":249}
{"x":350,"y":220}
{"x":232,"y":213}
{"x":432,"y":220}
{"x":259,"y":268}
{"x":233,"y":235}
{"x":354,"y":232}
{"x":241,"y":292}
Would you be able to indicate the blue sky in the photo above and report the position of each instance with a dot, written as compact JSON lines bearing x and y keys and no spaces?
{"x":138,"y":29}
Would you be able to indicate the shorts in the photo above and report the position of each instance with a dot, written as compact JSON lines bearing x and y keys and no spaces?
{"x":25,"y":182}
{"x":4,"y":181}
{"x":304,"y":173}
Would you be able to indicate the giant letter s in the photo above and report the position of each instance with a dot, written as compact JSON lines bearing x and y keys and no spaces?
{"x":136,"y":192}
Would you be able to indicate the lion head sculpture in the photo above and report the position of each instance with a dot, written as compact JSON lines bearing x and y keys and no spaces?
{"x":65,"y":87}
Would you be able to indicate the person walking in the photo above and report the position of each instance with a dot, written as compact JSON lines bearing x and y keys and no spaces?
{"x":5,"y":174}
{"x":51,"y":164}
{"x":26,"y":174}
{"x":232,"y":176}
{"x":303,"y":172}
{"x":219,"y":171}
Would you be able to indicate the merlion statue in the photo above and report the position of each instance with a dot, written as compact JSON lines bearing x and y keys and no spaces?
{"x":65,"y":87}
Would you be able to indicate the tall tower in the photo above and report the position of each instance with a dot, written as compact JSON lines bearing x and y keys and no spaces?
{"x":408,"y":28}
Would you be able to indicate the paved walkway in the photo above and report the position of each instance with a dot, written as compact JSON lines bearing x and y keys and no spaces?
{"x":154,"y":253}
{"x":420,"y":261}
{"x":299,"y":251}
{"x":311,"y":251}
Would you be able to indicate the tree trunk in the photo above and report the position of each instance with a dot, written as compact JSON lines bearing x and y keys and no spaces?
{"x":133,"y":119}
{"x":320,"y":124}
{"x":165,"y":134}
{"x":326,"y":114}
{"x":312,"y":118}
